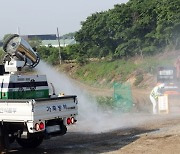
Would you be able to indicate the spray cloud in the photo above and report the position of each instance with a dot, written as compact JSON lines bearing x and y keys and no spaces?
{"x":91,"y":117}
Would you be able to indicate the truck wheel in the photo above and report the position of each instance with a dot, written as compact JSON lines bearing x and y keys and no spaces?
{"x":30,"y":142}
{"x":11,"y":139}
{"x":4,"y":138}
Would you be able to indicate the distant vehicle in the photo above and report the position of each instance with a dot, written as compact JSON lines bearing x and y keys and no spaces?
{"x":168,"y":75}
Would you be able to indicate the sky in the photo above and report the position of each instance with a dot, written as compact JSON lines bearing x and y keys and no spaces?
{"x":44,"y":16}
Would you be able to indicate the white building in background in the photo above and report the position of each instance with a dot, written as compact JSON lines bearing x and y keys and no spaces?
{"x":54,"y":43}
{"x":51,"y":40}
{"x":41,"y":37}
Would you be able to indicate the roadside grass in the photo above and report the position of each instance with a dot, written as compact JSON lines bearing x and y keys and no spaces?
{"x":105,"y":102}
{"x":105,"y":73}
{"x":124,"y":69}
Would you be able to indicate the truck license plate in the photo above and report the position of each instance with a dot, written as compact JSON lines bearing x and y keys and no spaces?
{"x":54,"y":128}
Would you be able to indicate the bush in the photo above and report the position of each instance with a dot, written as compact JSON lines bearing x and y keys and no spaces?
{"x":81,"y":60}
{"x":51,"y":54}
{"x":105,"y":102}
{"x":139,"y":79}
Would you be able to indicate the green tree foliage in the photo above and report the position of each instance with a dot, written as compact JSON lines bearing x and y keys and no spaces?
{"x":51,"y":54}
{"x":72,"y":52}
{"x":139,"y":27}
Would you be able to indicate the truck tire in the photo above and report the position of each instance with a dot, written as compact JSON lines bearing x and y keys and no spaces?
{"x":30,"y":142}
{"x":4,"y":139}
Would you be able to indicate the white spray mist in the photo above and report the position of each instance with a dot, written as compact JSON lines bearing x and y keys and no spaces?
{"x":91,"y":118}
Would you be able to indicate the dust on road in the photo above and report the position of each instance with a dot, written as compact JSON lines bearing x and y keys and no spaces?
{"x":152,"y":134}
{"x":159,"y":135}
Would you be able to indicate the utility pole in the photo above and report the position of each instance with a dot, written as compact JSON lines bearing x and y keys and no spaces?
{"x":59,"y":46}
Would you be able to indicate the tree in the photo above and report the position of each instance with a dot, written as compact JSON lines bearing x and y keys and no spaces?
{"x":135,"y":28}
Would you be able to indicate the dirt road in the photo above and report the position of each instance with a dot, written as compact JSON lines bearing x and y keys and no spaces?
{"x":160,"y":135}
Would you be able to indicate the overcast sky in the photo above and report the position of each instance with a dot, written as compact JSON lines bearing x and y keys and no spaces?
{"x":44,"y":16}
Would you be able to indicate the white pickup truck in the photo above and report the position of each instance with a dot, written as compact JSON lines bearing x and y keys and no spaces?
{"x":32,"y":120}
{"x":28,"y":112}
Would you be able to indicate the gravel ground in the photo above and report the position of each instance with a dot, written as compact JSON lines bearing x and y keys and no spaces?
{"x":160,"y":135}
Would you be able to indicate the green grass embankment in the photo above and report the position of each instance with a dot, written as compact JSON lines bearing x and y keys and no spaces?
{"x":105,"y":73}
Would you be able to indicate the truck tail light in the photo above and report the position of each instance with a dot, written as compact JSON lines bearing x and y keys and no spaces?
{"x":71,"y":120}
{"x":68,"y":121}
{"x":41,"y":126}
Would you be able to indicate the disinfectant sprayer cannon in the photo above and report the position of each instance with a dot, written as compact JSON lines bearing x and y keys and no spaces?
{"x":19,"y":54}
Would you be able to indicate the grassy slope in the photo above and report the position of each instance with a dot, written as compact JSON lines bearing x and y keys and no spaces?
{"x":105,"y":73}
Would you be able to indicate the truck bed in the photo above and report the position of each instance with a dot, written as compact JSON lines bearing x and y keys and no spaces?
{"x":23,"y":110}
